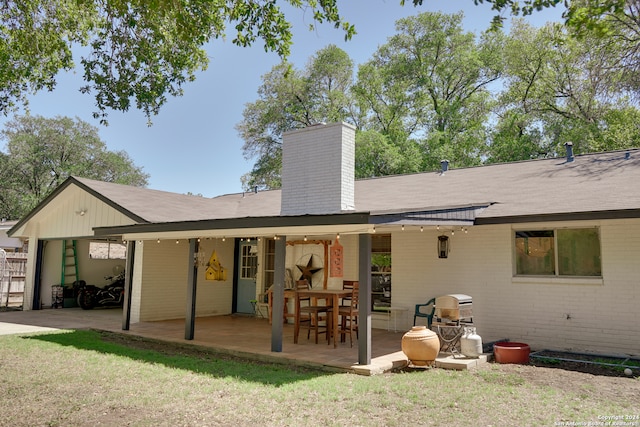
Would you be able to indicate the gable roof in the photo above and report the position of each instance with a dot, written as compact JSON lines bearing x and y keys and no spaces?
{"x":600,"y":185}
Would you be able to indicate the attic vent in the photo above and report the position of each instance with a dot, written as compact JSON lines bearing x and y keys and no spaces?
{"x":569,"y":147}
{"x":444,"y":165}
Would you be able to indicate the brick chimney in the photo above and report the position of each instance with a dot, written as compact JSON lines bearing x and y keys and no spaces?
{"x":318,"y":170}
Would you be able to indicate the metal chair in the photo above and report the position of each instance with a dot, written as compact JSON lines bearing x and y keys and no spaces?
{"x":428,"y":313}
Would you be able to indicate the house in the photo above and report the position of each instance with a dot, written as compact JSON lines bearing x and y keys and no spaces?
{"x":547,"y":249}
{"x":9,"y":244}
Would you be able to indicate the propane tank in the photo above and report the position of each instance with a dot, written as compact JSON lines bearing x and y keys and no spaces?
{"x":471,"y":343}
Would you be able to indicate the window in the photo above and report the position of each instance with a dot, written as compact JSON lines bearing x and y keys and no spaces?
{"x":561,"y":252}
{"x":381,"y":272}
{"x":249,"y":262}
{"x":107,"y":250}
{"x":269,"y":263}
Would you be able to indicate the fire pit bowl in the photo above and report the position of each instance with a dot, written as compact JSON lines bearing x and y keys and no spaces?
{"x":511,"y":352}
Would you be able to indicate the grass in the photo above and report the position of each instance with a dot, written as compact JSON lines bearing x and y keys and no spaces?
{"x":78,"y":378}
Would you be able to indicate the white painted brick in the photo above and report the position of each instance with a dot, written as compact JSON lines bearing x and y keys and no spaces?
{"x":318,"y":170}
{"x":480,"y":265}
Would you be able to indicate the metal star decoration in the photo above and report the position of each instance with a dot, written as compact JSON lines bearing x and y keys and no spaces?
{"x":307,"y":271}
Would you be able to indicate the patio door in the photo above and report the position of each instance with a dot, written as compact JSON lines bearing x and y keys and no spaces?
{"x":247,"y":272}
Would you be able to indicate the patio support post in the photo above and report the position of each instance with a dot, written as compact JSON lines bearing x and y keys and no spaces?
{"x":36,"y":303}
{"x":364,"y":300}
{"x":190,"y":318}
{"x":277,"y":312}
{"x":128,"y":275}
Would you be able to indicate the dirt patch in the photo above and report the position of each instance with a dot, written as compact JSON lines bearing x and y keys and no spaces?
{"x":599,"y":381}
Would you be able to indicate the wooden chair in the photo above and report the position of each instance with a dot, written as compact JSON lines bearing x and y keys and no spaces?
{"x":348,"y":285}
{"x":312,"y":314}
{"x":349,"y":318}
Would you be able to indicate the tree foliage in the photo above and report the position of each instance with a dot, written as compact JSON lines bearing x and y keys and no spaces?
{"x":434,"y":91}
{"x":41,"y":153}
{"x":292,"y":99}
{"x":139,"y":51}
{"x":560,"y":88}
{"x":429,"y":81}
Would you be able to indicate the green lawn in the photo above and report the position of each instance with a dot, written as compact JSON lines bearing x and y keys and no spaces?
{"x":88,"y":378}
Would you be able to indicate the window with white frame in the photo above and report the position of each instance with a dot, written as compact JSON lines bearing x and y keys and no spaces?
{"x":558,"y":252}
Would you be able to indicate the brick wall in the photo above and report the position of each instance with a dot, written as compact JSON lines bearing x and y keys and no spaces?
{"x":591,"y":315}
{"x":163,"y":286}
{"x":318,"y":170}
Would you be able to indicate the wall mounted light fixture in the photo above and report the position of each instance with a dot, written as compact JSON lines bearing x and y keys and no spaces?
{"x":81,"y":212}
{"x":443,"y":246}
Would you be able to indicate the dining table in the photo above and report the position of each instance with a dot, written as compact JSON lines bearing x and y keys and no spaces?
{"x":332,"y":296}
{"x":288,"y":294}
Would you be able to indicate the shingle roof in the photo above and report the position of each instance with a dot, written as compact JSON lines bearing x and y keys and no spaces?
{"x":157,"y":206}
{"x":592,"y":184}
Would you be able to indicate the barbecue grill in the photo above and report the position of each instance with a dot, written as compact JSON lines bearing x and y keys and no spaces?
{"x":454,"y":308}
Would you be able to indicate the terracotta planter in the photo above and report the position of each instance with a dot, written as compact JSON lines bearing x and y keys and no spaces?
{"x":511,"y":352}
{"x":421,"y":346}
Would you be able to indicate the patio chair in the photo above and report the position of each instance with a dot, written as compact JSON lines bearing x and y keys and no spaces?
{"x":427,"y":312}
{"x":348,"y":284}
{"x":348,"y":318}
{"x":311,"y":315}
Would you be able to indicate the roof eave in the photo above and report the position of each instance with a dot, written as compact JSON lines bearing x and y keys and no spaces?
{"x":569,"y":216}
{"x":270,"y":222}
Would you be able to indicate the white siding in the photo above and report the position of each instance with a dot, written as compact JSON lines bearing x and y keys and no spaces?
{"x":62,"y":219}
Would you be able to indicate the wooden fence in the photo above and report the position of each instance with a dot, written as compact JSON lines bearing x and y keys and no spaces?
{"x":12,"y":274}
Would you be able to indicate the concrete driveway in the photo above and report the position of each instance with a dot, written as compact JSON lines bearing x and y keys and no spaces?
{"x":19,"y":322}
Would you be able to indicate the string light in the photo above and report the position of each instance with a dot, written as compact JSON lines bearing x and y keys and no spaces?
{"x":402,"y":227}
{"x":158,"y":240}
{"x":421,"y":229}
{"x":338,"y":236}
{"x":224,"y":238}
{"x":177,"y":241}
{"x":305,"y":238}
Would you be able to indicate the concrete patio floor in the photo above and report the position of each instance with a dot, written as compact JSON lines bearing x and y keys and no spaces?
{"x":233,"y":334}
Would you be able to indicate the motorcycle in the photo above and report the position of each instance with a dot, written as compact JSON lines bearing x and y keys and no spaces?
{"x":91,"y":296}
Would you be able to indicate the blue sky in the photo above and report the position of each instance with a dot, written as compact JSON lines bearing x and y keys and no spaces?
{"x":192,"y":145}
